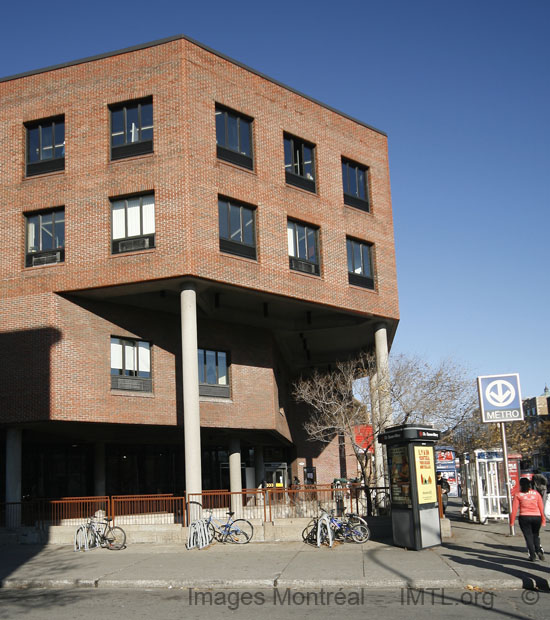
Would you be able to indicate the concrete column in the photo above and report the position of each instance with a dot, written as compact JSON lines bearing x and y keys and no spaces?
{"x":378,"y":452}
{"x":383,"y":374}
{"x":259,"y":465}
{"x":100,"y":487}
{"x":190,"y":375}
{"x":235,"y":479}
{"x":13,"y":476}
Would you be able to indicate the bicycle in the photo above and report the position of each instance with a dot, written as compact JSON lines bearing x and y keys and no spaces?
{"x":353,"y":528}
{"x":238,"y":531}
{"x":103,"y":534}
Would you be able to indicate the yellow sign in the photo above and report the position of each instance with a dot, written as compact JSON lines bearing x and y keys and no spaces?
{"x":425,"y":474}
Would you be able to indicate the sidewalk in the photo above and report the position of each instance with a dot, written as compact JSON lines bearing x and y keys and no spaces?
{"x":477,"y":556}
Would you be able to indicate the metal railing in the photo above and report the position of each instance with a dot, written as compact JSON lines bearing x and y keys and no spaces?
{"x":274,"y":503}
{"x":45,"y":512}
{"x":265,"y":504}
{"x":148,"y":509}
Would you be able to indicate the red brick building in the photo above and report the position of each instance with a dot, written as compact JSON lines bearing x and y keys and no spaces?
{"x":183,"y":237}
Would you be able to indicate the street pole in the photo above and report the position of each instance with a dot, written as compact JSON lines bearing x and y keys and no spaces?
{"x":507,"y":476}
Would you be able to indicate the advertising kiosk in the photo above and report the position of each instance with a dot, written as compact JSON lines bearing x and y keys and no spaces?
{"x":411,"y":466}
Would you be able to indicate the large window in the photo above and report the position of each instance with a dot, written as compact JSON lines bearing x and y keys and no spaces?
{"x":234,"y":137}
{"x":303,"y":241}
{"x":45,"y":146}
{"x":360,"y":271}
{"x":45,"y":237}
{"x":213,"y":373}
{"x":299,"y":163}
{"x":355,"y":182}
{"x":133,"y":223}
{"x":131,"y":128}
{"x":130,"y":365}
{"x":237,"y":234}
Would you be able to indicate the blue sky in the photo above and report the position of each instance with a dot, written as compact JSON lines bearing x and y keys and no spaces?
{"x":463,"y":91}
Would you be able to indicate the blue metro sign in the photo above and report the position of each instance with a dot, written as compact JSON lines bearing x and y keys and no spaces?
{"x":500,"y":398}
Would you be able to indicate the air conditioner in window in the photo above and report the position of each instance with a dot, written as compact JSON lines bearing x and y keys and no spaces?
{"x":46,"y":259}
{"x":133,"y":244}
{"x":303,"y":266}
{"x":308,"y":267}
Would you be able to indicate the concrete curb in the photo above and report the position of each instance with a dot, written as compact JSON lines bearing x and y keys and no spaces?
{"x":259,"y":584}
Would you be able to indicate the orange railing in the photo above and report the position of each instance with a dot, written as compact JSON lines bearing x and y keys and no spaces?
{"x":266,"y":504}
{"x":74,"y":510}
{"x":41,"y":512}
{"x":249,"y":504}
{"x":148,"y":509}
{"x":272,"y":503}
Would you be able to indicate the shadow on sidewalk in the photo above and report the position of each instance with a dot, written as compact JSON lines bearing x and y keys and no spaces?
{"x":502,"y":559}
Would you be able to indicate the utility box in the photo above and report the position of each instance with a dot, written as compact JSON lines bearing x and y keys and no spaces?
{"x":413,"y":487}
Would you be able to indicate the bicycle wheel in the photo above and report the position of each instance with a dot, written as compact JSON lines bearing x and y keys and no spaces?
{"x":115,"y":537}
{"x":360,"y":534}
{"x":213,"y":532}
{"x":309,"y":533}
{"x":240,"y":532}
{"x":354,"y":519}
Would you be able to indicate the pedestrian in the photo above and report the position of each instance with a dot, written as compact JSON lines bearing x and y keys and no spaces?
{"x":531,"y":517}
{"x":445,"y":488}
{"x":540,"y":485}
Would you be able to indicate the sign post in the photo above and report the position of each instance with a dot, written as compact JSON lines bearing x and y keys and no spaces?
{"x":500,"y":402}
{"x":507,"y":475}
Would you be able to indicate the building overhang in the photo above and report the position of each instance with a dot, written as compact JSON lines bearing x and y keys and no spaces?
{"x":308,"y":335}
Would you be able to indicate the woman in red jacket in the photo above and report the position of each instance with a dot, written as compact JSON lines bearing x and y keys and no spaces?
{"x":531,"y":517}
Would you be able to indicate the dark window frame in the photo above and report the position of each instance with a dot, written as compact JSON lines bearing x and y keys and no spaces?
{"x":304,"y":263}
{"x":132,"y":243}
{"x":226,"y":152}
{"x":137,"y":147}
{"x":352,"y":169}
{"x":295,"y":163}
{"x":135,"y":382}
{"x":365,"y":280}
{"x":228,"y":245}
{"x":214,"y":389}
{"x":44,"y":165}
{"x":42,"y":256}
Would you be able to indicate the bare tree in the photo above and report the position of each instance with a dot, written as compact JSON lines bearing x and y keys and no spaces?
{"x":335,"y":411}
{"x":443,"y":394}
{"x":347,"y":396}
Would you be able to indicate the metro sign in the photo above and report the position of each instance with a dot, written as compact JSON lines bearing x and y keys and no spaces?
{"x":500,"y":398}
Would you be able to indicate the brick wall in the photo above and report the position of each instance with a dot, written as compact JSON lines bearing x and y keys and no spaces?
{"x":55,"y":348}
{"x":186,"y":81}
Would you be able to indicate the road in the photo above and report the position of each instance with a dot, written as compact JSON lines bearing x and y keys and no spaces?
{"x":90,"y":604}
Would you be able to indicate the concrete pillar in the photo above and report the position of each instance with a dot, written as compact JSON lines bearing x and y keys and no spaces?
{"x":13,"y":476}
{"x":378,"y":452}
{"x":259,"y":465}
{"x":100,"y":487}
{"x":191,"y":405}
{"x":383,"y":375}
{"x":235,"y":479}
